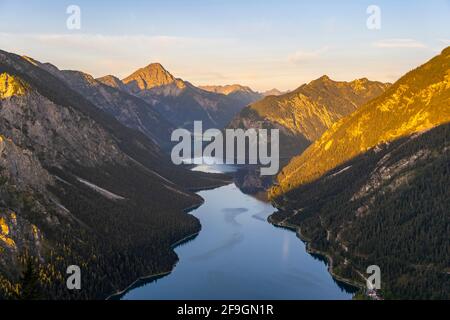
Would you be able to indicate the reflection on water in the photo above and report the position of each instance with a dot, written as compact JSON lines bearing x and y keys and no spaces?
{"x":239,"y":255}
{"x":210,"y":165}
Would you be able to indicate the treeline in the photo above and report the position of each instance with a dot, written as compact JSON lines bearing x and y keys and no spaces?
{"x":113,"y":241}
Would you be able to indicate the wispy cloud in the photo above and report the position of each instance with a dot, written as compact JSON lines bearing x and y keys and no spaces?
{"x":399,"y":43}
{"x":445,"y":41}
{"x":101,"y":54}
{"x":301,"y":56}
{"x":116,"y":42}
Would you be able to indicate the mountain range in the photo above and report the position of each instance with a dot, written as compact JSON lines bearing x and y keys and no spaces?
{"x":237,"y":91}
{"x":416,"y":102}
{"x":302,"y":115}
{"x":179,"y":101}
{"x":373,"y":189}
{"x":85,"y":176}
{"x":79,"y":187}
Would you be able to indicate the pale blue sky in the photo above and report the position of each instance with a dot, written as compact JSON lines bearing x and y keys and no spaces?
{"x":262,"y":44}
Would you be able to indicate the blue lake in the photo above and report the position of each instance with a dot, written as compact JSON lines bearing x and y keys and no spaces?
{"x":239,"y":255}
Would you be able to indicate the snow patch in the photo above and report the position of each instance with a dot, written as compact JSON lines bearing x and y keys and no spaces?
{"x":103,"y":192}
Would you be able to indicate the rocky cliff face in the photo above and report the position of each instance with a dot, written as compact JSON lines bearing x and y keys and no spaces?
{"x":35,"y":122}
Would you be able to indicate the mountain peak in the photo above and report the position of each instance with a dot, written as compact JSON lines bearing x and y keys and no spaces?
{"x":155,"y":66}
{"x":273,"y":92}
{"x":324,"y":78}
{"x":227,"y":89}
{"x":112,"y":81}
{"x":151,"y":76}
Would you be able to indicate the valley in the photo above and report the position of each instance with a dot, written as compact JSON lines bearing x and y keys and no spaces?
{"x":87,"y":178}
{"x":236,"y":253}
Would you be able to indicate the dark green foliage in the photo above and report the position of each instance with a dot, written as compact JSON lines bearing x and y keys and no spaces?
{"x":402,"y":224}
{"x":29,"y":284}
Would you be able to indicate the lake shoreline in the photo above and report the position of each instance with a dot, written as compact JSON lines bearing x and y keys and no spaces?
{"x":154,"y":276}
{"x":345,"y":284}
{"x":189,"y":237}
{"x":311,"y":250}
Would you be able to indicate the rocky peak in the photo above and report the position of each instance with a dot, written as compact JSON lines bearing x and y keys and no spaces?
{"x":324,"y":78}
{"x":272,"y":92}
{"x":112,"y":81}
{"x":151,"y":76}
{"x":227,"y":89}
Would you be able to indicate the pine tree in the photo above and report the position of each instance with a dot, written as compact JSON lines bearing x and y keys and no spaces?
{"x":29,"y":286}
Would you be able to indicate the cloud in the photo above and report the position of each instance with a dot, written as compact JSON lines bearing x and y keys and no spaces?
{"x":445,"y":41}
{"x":399,"y":43}
{"x":111,"y":42}
{"x":301,"y":56}
{"x":101,"y":54}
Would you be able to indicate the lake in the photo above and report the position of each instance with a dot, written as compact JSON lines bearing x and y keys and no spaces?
{"x":239,"y":255}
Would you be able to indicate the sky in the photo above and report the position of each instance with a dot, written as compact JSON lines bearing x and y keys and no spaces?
{"x":260,"y":43}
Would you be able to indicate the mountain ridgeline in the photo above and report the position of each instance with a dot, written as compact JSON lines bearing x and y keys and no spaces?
{"x":236,"y":91}
{"x":182,"y":103}
{"x":305,"y":113}
{"x":78,"y":187}
{"x":85,"y":176}
{"x":374,"y":188}
{"x":416,"y":102}
{"x":111,"y":95}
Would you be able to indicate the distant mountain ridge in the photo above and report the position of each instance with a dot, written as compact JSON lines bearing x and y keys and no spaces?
{"x":304,"y":114}
{"x":114,"y":82}
{"x":179,"y":101}
{"x":237,"y":91}
{"x":227,"y":89}
{"x":112,"y":96}
{"x":273,"y":92}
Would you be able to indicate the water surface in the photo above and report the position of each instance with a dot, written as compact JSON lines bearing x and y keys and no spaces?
{"x":239,"y":255}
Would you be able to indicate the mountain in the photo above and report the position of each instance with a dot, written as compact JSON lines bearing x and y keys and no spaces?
{"x":305,"y":113}
{"x":418,"y":101}
{"x":181,"y":102}
{"x":227,"y":89}
{"x":386,"y":207}
{"x":110,"y":95}
{"x":78,"y":187}
{"x":114,"y":82}
{"x":152,"y":76}
{"x":237,"y":91}
{"x":373,"y":190}
{"x":273,"y":92}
